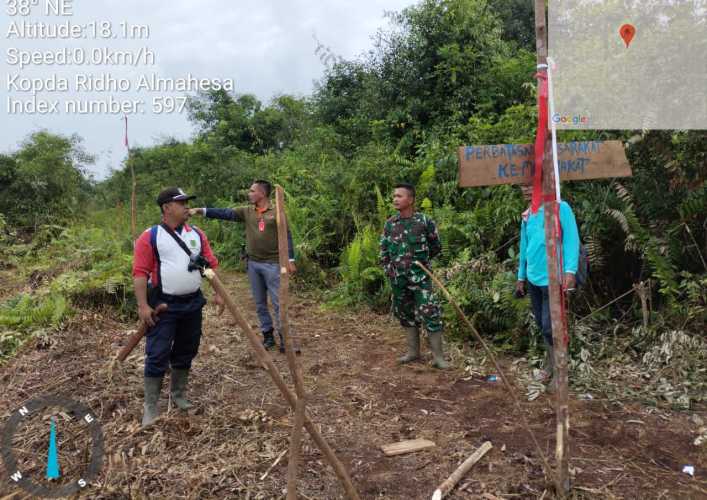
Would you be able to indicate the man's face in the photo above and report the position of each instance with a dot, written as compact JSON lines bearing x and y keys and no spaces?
{"x":255,"y":194}
{"x":402,"y":199}
{"x":178,"y":211}
{"x":527,"y":191}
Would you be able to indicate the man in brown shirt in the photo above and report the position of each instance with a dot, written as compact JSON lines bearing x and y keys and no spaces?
{"x":262,"y":249}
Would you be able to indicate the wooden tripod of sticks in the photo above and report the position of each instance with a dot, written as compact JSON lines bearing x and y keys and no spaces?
{"x":295,"y":400}
{"x":295,"y":372}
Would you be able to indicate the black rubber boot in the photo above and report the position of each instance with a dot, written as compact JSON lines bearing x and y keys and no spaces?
{"x":268,"y":339}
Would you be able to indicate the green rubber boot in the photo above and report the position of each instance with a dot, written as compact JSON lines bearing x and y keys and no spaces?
{"x":153,"y":386}
{"x":438,"y":354}
{"x":413,"y":340}
{"x":178,"y":389}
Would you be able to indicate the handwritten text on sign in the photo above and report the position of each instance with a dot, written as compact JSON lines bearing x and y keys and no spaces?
{"x":514,"y":163}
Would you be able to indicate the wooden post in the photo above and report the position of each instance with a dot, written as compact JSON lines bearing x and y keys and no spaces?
{"x":133,"y":195}
{"x":513,"y":164}
{"x":558,"y":320}
{"x":296,"y":439}
{"x":133,"y":201}
{"x":265,"y":359}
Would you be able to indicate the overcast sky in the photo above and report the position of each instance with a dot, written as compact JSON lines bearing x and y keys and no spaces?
{"x":266,"y":47}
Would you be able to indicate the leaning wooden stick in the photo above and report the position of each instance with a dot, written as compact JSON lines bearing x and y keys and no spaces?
{"x":456,"y":476}
{"x":137,"y":336}
{"x":267,"y":362}
{"x":296,"y":439}
{"x":511,"y":393}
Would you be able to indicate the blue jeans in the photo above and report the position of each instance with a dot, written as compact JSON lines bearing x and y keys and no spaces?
{"x":265,"y":280}
{"x":540,"y":302}
{"x":175,"y":338}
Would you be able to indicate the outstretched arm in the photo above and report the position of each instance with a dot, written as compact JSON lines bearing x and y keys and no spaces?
{"x":234,"y":214}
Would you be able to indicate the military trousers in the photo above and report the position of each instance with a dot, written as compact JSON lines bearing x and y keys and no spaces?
{"x":415,"y":304}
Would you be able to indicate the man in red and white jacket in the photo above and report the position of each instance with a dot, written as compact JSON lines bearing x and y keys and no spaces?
{"x":163,"y":273}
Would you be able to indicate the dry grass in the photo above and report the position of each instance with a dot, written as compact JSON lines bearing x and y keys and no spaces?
{"x":232,"y":444}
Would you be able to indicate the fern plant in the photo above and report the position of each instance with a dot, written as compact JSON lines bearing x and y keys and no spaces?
{"x":652,"y":248}
{"x":363,"y":280}
{"x":25,"y":312}
{"x":25,"y":316}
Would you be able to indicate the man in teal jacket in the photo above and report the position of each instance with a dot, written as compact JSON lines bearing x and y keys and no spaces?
{"x":533,"y":267}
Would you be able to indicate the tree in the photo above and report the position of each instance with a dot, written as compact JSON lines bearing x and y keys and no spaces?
{"x":45,"y":181}
{"x":442,"y":62}
{"x":241,"y":122}
{"x":518,"y":18}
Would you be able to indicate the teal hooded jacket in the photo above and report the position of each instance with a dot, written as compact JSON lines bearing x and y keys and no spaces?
{"x":532,"y":259}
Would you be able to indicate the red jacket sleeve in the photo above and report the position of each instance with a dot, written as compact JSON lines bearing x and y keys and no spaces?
{"x":206,"y":250}
{"x":143,"y":256}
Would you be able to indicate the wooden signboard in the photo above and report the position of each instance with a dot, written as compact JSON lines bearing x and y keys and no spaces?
{"x":514,"y":163}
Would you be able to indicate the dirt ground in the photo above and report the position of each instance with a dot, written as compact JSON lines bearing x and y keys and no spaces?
{"x":360,"y":399}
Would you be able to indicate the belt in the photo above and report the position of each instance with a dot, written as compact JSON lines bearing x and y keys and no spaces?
{"x":180,"y":298}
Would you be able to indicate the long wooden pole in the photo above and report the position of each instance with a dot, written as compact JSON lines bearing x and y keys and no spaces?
{"x":296,"y":439}
{"x":133,"y":203}
{"x":267,"y":362}
{"x":504,"y":380}
{"x":133,"y":194}
{"x":558,"y":320}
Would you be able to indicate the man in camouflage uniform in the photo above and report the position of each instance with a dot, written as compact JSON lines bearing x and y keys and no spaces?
{"x":411,"y":236}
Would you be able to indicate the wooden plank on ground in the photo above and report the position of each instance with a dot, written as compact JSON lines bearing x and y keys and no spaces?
{"x":409,"y":446}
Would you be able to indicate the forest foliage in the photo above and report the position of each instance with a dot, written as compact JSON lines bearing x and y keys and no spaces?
{"x":444,"y":73}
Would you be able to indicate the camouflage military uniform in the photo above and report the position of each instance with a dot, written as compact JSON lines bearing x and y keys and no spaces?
{"x":404,"y":241}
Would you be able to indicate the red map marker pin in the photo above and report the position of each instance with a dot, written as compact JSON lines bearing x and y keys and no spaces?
{"x":627,"y":32}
